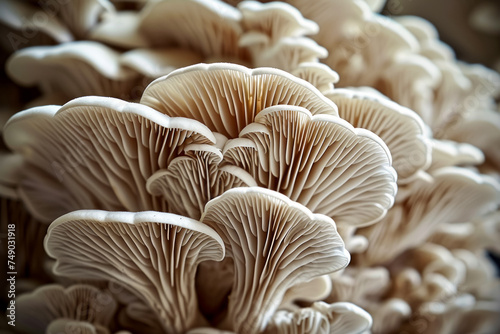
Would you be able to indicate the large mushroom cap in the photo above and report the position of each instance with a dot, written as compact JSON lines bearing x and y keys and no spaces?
{"x":155,"y":255}
{"x":275,"y":243}
{"x":320,"y":161}
{"x":95,"y":153}
{"x":227,"y":97}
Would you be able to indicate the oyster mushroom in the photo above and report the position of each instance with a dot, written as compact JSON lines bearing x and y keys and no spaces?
{"x":154,"y":255}
{"x":227,"y":97}
{"x":275,"y":243}
{"x":95,"y":153}
{"x":38,"y":310}
{"x":320,"y":161}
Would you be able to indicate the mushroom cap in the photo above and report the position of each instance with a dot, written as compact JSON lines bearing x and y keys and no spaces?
{"x":322,"y":318}
{"x":119,"y":29}
{"x":38,"y":309}
{"x":95,"y":152}
{"x":227,"y":97}
{"x":319,"y":75}
{"x":153,"y":63}
{"x":74,"y":69}
{"x":316,"y":289}
{"x":194,"y":179}
{"x":447,"y":153}
{"x":208,"y":27}
{"x":401,"y":129}
{"x":153,"y":254}
{"x":320,"y":161}
{"x":453,"y":194}
{"x":275,"y":244}
{"x":275,"y":20}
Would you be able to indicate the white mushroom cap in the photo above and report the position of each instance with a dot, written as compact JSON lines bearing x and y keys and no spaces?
{"x":319,"y":75}
{"x":322,"y":318}
{"x":154,"y":63}
{"x":452,"y":195}
{"x":275,"y":244}
{"x":119,"y":29}
{"x":73,"y":69}
{"x":95,"y":152}
{"x":447,"y":153}
{"x":153,"y":254}
{"x":320,"y":161}
{"x":316,"y":289}
{"x":81,"y":303}
{"x":194,"y":179}
{"x":227,"y":97}
{"x":274,"y":20}
{"x":211,"y":28}
{"x":400,"y":128}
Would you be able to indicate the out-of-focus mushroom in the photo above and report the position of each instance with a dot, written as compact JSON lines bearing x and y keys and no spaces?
{"x":275,"y":244}
{"x":400,"y":128}
{"x":446,"y":153}
{"x":210,"y":28}
{"x":73,"y":70}
{"x":320,"y":161}
{"x":81,"y":303}
{"x":322,"y":318}
{"x":190,"y":181}
{"x":227,"y":97}
{"x":155,"y":255}
{"x":453,"y":194}
{"x":95,"y":153}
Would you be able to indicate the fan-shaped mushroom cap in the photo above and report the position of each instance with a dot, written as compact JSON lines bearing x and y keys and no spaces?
{"x":447,"y":153}
{"x":194,"y":179}
{"x":73,"y":69}
{"x":119,"y":29}
{"x":153,"y":63}
{"x":319,"y":75}
{"x":274,"y":21}
{"x":153,"y":254}
{"x":400,"y":128}
{"x":320,"y":161}
{"x":453,"y":195}
{"x":275,"y":244}
{"x":322,"y":318}
{"x":85,"y":303}
{"x":388,"y":315}
{"x":227,"y":97}
{"x":211,"y":28}
{"x":288,"y":53}
{"x":481,"y":129}
{"x":95,"y":152}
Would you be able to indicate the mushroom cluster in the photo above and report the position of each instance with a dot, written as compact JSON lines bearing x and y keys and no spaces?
{"x":202,"y":166}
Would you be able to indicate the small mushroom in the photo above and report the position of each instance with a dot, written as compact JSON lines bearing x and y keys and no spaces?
{"x":319,"y":75}
{"x":155,"y":255}
{"x":275,"y":244}
{"x":190,"y":181}
{"x":322,"y":318}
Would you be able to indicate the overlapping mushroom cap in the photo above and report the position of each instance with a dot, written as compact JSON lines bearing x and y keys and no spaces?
{"x":274,"y":243}
{"x":95,"y":153}
{"x":153,"y":254}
